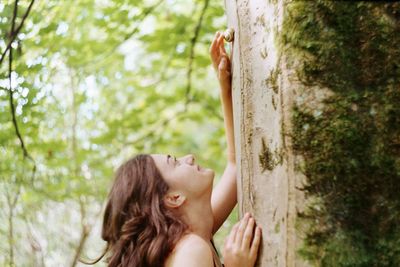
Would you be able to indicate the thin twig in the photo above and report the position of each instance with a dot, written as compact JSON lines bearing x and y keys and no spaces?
{"x":11,"y":92}
{"x":33,"y":241}
{"x":192,"y":53}
{"x":84,"y":234}
{"x":13,"y":34}
{"x":12,"y":202}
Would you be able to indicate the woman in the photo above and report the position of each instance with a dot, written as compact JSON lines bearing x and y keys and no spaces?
{"x":161,"y":211}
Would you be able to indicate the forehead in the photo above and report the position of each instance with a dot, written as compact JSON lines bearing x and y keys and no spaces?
{"x":161,"y":161}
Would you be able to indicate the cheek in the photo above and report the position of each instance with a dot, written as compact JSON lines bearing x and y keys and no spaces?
{"x":186,"y":179}
{"x":169,"y":179}
{"x":175,"y":180}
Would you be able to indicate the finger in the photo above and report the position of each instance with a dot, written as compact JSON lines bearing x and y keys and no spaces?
{"x":221,"y":44}
{"x":222,"y":64}
{"x":232,"y":235}
{"x":222,"y":52}
{"x":242,"y":227}
{"x":256,"y":243}
{"x":214,"y":42}
{"x":248,"y":234}
{"x":221,"y":39}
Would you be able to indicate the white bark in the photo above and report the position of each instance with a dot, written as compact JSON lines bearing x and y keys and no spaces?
{"x":263,"y":97}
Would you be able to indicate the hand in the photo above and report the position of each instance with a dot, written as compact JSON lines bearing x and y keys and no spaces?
{"x":220,"y":60}
{"x":241,"y":246}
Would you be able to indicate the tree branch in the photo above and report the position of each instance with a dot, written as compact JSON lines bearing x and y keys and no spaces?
{"x":192,"y":52}
{"x":13,"y":34}
{"x":84,"y":233}
{"x":11,"y":202}
{"x":11,"y":92}
{"x":34,"y":242}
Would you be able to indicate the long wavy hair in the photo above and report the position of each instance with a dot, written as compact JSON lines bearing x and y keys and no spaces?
{"x":138,"y":228}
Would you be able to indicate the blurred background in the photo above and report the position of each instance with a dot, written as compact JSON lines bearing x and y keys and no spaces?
{"x":87,"y":85}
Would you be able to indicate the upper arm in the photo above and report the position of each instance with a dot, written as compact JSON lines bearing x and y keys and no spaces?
{"x":193,"y":251}
{"x":224,"y":196}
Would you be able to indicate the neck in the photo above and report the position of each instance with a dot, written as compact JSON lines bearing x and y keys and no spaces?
{"x":199,"y":217}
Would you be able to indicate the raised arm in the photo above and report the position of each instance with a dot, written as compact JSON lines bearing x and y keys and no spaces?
{"x":224,"y":197}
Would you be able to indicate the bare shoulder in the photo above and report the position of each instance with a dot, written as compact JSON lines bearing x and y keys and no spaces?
{"x":191,"y":250}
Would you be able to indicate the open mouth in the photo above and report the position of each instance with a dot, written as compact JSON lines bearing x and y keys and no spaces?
{"x":198,"y":168}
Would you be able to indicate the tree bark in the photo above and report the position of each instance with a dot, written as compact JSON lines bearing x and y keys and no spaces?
{"x":316,"y":90}
{"x":262,"y":102}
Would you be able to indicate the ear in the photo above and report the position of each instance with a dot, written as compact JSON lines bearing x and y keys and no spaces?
{"x":174,"y":199}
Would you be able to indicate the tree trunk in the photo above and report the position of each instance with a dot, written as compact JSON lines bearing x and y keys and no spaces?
{"x":316,"y":92}
{"x":262,"y":102}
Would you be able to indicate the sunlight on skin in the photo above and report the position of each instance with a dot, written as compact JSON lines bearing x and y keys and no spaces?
{"x":184,"y":175}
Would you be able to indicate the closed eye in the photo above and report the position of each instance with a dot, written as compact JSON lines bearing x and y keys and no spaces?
{"x":177,"y":163}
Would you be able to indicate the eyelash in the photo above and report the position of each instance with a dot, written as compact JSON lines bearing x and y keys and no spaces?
{"x":177,"y":161}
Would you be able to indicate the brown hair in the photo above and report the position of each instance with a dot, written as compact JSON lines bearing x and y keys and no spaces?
{"x":138,"y":228}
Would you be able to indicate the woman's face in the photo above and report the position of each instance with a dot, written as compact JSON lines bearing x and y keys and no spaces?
{"x":184,"y":175}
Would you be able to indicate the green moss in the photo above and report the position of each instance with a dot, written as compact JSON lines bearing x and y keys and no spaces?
{"x":266,"y":157}
{"x":268,"y":160}
{"x":277,"y":228}
{"x":273,"y":101}
{"x":272,"y":80}
{"x":351,"y":150}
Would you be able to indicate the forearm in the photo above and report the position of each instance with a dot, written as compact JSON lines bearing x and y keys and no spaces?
{"x":227,"y":109}
{"x":224,"y":197}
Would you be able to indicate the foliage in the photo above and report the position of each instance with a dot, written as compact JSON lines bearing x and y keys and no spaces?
{"x":93,"y":83}
{"x":351,"y":146}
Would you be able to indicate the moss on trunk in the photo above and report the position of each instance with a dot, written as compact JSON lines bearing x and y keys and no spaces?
{"x":350,"y":146}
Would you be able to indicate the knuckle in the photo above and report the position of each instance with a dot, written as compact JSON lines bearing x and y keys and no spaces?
{"x":247,"y":236}
{"x":240,"y":231}
{"x":235,"y":251}
{"x":227,"y":248}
